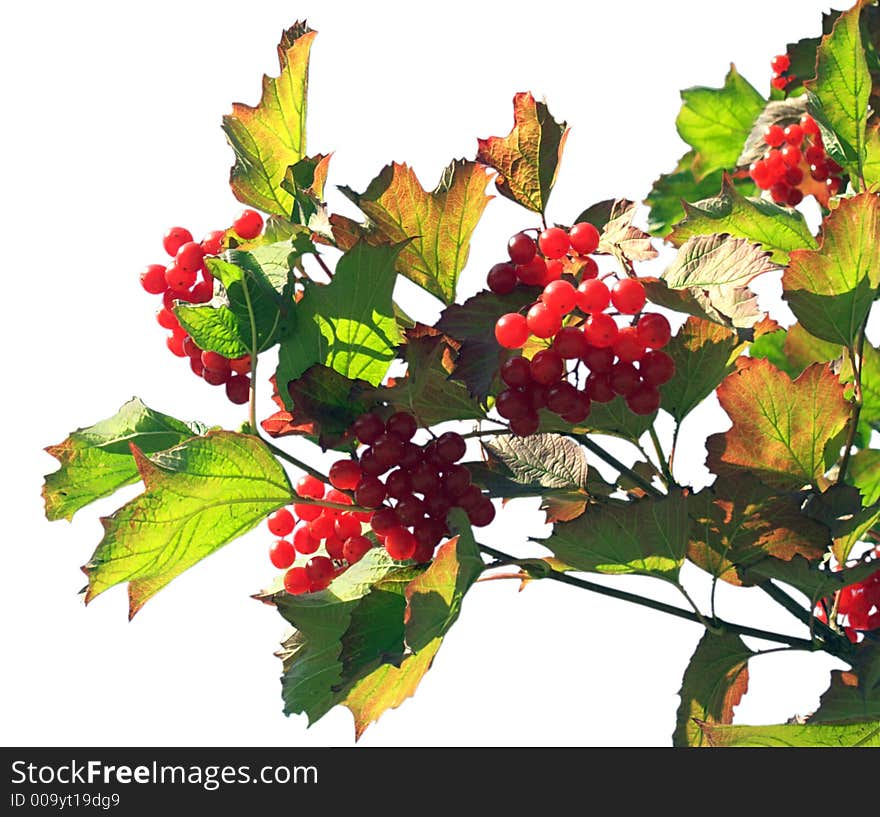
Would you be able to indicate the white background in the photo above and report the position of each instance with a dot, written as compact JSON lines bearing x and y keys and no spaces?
{"x":111,"y":134}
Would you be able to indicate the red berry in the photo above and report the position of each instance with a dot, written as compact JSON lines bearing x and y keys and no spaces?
{"x":511,"y":330}
{"x":309,"y":487}
{"x":195,"y":363}
{"x":339,"y":498}
{"x":554,"y":270}
{"x":760,"y":174}
{"x":814,"y":154}
{"x":398,"y":483}
{"x":296,"y":581}
{"x":248,"y":225}
{"x":533,"y":273}
{"x":388,"y":450}
{"x":411,"y":510}
{"x":644,"y":400}
{"x":241,"y":365}
{"x":281,"y":522}
{"x":581,"y":410}
{"x":628,"y":347}
{"x":175,"y":238}
{"x":400,"y":544}
{"x":833,"y":184}
{"x":569,"y":343}
{"x":456,"y":480}
{"x":320,"y":571}
{"x":402,"y":425}
{"x":536,"y":394}
{"x":482,"y":514}
{"x":628,"y":296}
{"x":437,"y":505}
{"x":562,"y":398}
{"x":656,"y":368}
{"x":543,"y":321}
{"x":424,"y":478}
{"x":334,"y":546}
{"x":809,"y":125}
{"x":795,"y":197}
{"x":384,"y":520}
{"x":344,"y":475}
{"x":190,"y":257}
{"x":346,"y":526}
{"x":779,"y":192}
{"x":238,"y":389}
{"x":303,"y":540}
{"x":524,"y":426}
{"x":429,"y":532}
{"x":515,"y":371}
{"x":554,"y":242}
{"x":282,"y":554}
{"x":774,"y":136}
{"x":589,"y":269}
{"x":450,"y":447}
{"x":560,"y":296}
{"x":355,"y":548}
{"x":323,"y":526}
{"x":624,"y":378}
{"x":368,"y":428}
{"x":174,"y":342}
{"x":153,"y":279}
{"x":794,"y":176}
{"x":215,"y":361}
{"x":511,"y":404}
{"x":307,"y":513}
{"x":779,"y":83}
{"x":369,"y":493}
{"x":502,"y":279}
{"x":794,"y":135}
{"x":598,"y":360}
{"x":593,"y":296}
{"x":167,"y":319}
{"x":546,"y":367}
{"x":791,"y":155}
{"x":819,"y":171}
{"x":600,"y":330}
{"x":598,"y":387}
{"x":780,"y":63}
{"x":215,"y":377}
{"x":179,"y":279}
{"x":212,"y":243}
{"x":521,"y":249}
{"x":584,"y":238}
{"x":653,"y":330}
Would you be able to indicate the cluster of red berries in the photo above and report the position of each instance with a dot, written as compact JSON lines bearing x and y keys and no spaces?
{"x":586,"y":356}
{"x":858,"y":606}
{"x":407,"y":490}
{"x":186,"y":279}
{"x":796,"y":164}
{"x":780,"y":65}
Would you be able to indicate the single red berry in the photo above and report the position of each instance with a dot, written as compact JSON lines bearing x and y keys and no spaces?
{"x":809,"y":125}
{"x":653,"y":330}
{"x":400,"y":544}
{"x":216,"y":361}
{"x":238,"y":389}
{"x":248,"y":225}
{"x":511,"y":404}
{"x":833,"y":167}
{"x":303,"y":540}
{"x":320,"y":571}
{"x":368,"y":428}
{"x":438,"y":505}
{"x":569,"y":343}
{"x":774,"y":136}
{"x":450,"y":447}
{"x":536,"y":394}
{"x":656,"y":368}
{"x":346,"y":526}
{"x":411,"y":510}
{"x":628,"y":296}
{"x":175,"y":238}
{"x":482,"y":514}
{"x":794,"y":176}
{"x":195,"y":363}
{"x":370,"y":492}
{"x":212,"y":243}
{"x":560,"y":297}
{"x":554,"y":271}
{"x":795,"y":197}
{"x":402,"y":425}
{"x":324,"y":525}
{"x":581,"y":410}
{"x":814,"y":154}
{"x":598,"y":387}
{"x":296,"y":581}
{"x":546,"y":367}
{"x":241,"y":365}
{"x":429,"y":532}
{"x":628,"y":347}
{"x":174,"y":342}
{"x":589,"y":269}
{"x":309,"y":487}
{"x":543,"y":321}
{"x":833,"y":184}
{"x":776,"y":167}
{"x":779,"y":192}
{"x":779,"y":83}
{"x":455,"y":481}
{"x":515,"y":371}
{"x":644,"y":400}
{"x":584,"y":238}
{"x":411,"y":457}
{"x":178,"y":279}
{"x":398,"y":483}
{"x":384,"y":520}
{"x":167,"y":319}
{"x":502,"y":279}
{"x":600,"y":330}
{"x":598,"y":360}
{"x":791,"y":155}
{"x":794,"y":135}
{"x":307,"y":513}
{"x":524,"y":426}
{"x":425,"y":478}
{"x":521,"y":249}
{"x":760,"y":174}
{"x":339,"y":498}
{"x":215,"y":377}
{"x":356,"y":548}
{"x":191,"y":349}
{"x":282,"y":554}
{"x":281,"y":522}
{"x":624,"y":378}
{"x":561,"y":398}
{"x":554,"y":242}
{"x":512,"y":331}
{"x":388,"y":450}
{"x":593,"y":296}
{"x":469,"y":498}
{"x":819,"y":171}
{"x":533,"y":273}
{"x":153,"y":279}
{"x":344,"y":475}
{"x":780,"y":63}
{"x":334,"y":546}
{"x":190,"y":257}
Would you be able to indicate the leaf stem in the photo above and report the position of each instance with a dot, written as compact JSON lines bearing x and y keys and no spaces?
{"x":252,"y":402}
{"x":658,"y":449}
{"x":303,"y":466}
{"x":611,"y":460}
{"x":855,"y":357}
{"x":324,"y":266}
{"x":689,"y":615}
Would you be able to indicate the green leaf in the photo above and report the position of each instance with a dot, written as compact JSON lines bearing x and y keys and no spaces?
{"x":803,"y":349}
{"x":708,"y":262}
{"x":864,"y":473}
{"x":704,"y":354}
{"x":305,"y":181}
{"x":647,"y":536}
{"x":621,"y":239}
{"x":778,"y":230}
{"x":714,"y":682}
{"x":472,"y":324}
{"x":616,"y":420}
{"x":731,"y":306}
{"x":871,"y":165}
{"x":433,"y":229}
{"x":786,"y":432}
{"x":548,"y":460}
{"x":793,"y":735}
{"x":349,"y":324}
{"x":716,"y":121}
{"x":853,"y":697}
{"x":428,"y":390}
{"x":434,"y":598}
{"x":831,"y":289}
{"x":809,"y":577}
{"x":771,"y":346}
{"x":841,"y":90}
{"x":870,"y":415}
{"x":269,"y":138}
{"x":198,"y":496}
{"x":96,"y":461}
{"x":597,"y":214}
{"x":527,"y":159}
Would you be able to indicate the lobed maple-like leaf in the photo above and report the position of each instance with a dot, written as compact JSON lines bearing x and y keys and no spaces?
{"x":831,"y":289}
{"x":619,"y":237}
{"x":785,"y":432}
{"x":437,"y":226}
{"x":854,"y":695}
{"x":730,"y":306}
{"x":527,"y":159}
{"x":198,"y":496}
{"x":269,"y":138}
{"x":716,"y":678}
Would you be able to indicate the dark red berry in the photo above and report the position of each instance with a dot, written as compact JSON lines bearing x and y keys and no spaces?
{"x":424,"y":478}
{"x":656,"y":368}
{"x":525,"y":426}
{"x":344,"y":475}
{"x":600,"y":330}
{"x":402,"y":425}
{"x":482,"y":514}
{"x":384,"y":520}
{"x":598,"y":359}
{"x":570,"y":343}
{"x":521,"y":249}
{"x":581,"y":409}
{"x":515,"y":371}
{"x":216,"y":377}
{"x":534,"y":273}
{"x":370,"y":492}
{"x":388,"y":450}
{"x":410,"y":509}
{"x":502,"y":279}
{"x":624,"y":378}
{"x":644,"y":400}
{"x":546,"y":367}
{"x":598,"y":387}
{"x":368,"y":428}
{"x":561,"y":398}
{"x":653,"y":330}
{"x":628,"y":346}
{"x":320,"y":571}
{"x":511,"y":404}
{"x":455,"y":481}
{"x":450,"y":447}
{"x":398,"y":483}
{"x":238,"y":389}
{"x":356,"y":548}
